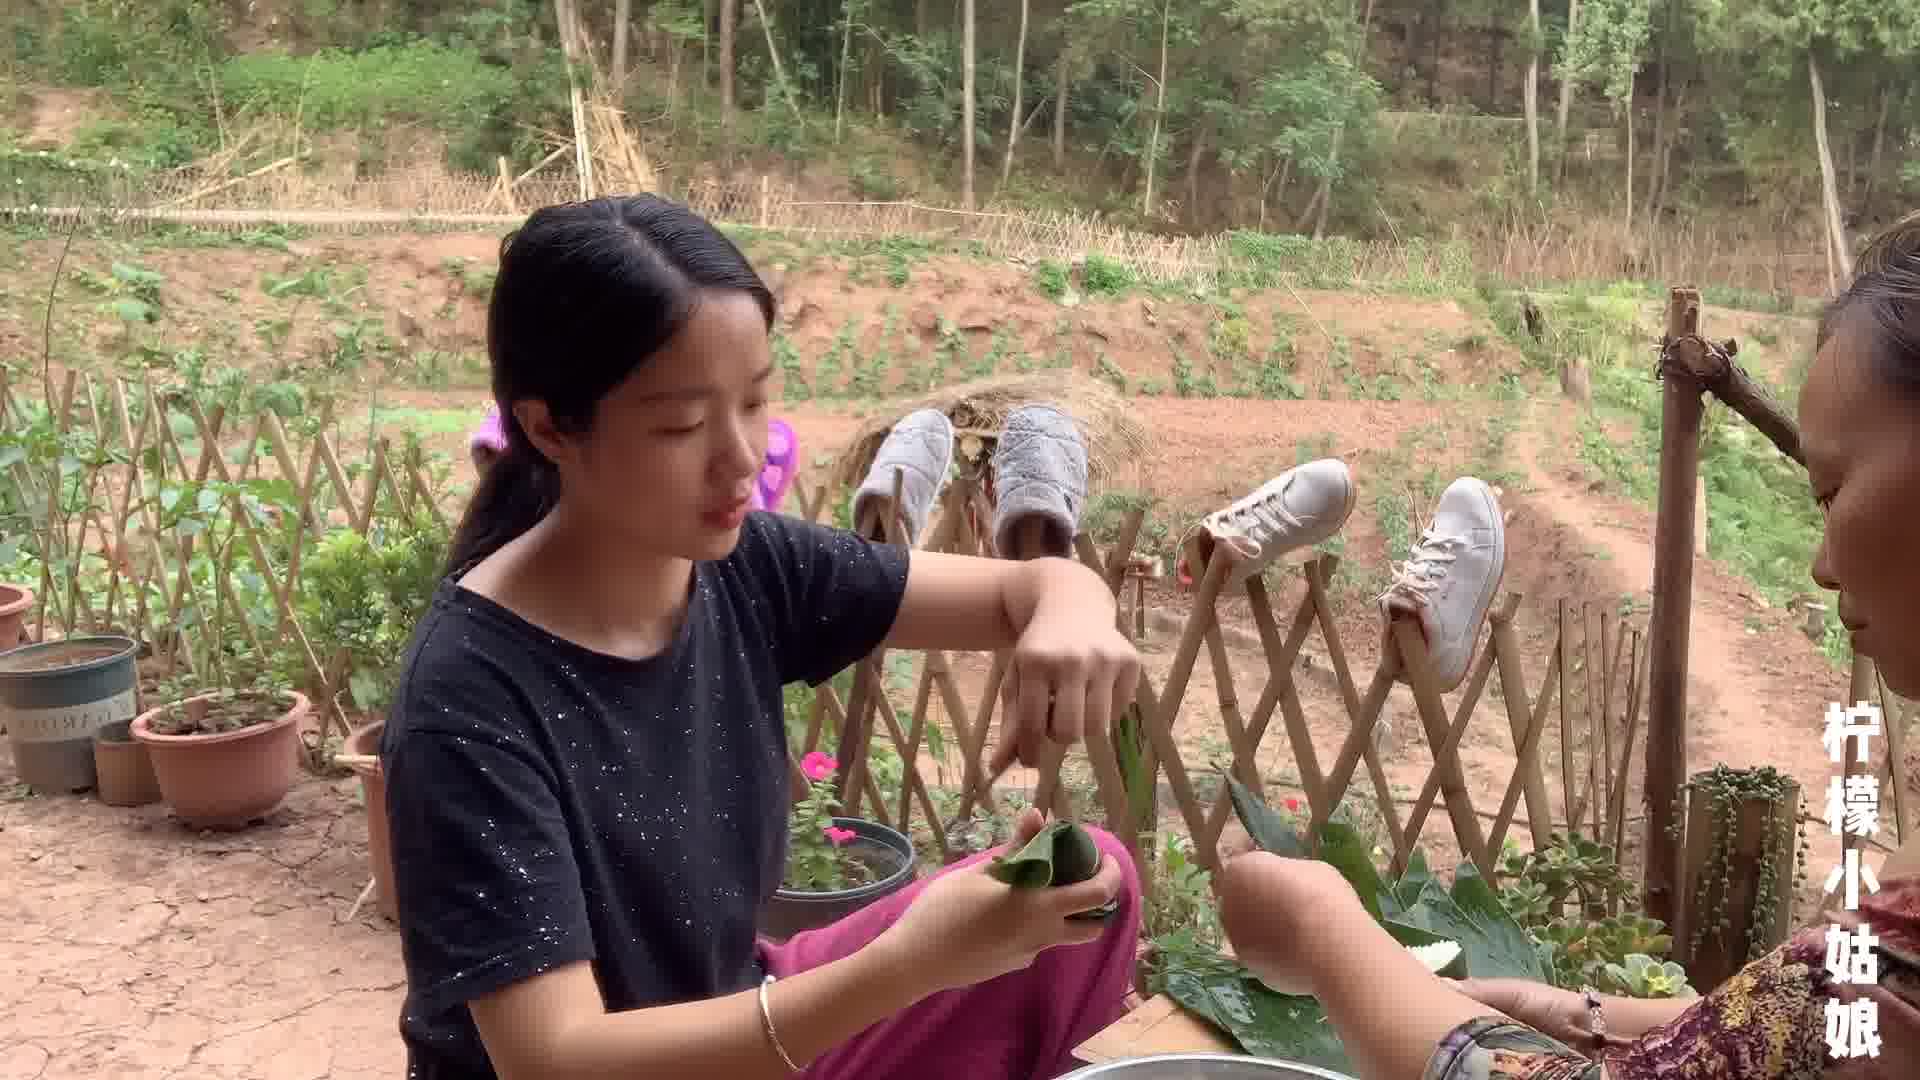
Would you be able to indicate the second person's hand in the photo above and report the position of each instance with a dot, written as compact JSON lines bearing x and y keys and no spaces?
{"x":968,"y":927}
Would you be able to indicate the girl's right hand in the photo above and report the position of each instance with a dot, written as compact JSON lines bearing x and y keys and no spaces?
{"x":968,"y":927}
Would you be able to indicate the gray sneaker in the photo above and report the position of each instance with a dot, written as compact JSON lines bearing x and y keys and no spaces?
{"x":1451,"y":575}
{"x":921,"y":447}
{"x":1039,"y":471}
{"x":1301,"y":507}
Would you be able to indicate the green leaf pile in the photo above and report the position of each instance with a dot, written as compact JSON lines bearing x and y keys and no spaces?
{"x":1416,"y":910}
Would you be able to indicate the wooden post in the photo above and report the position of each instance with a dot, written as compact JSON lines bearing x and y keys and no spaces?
{"x":1724,"y":948}
{"x":1672,"y":612}
{"x":1700,"y":517}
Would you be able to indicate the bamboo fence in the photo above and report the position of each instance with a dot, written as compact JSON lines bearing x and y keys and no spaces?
{"x":283,"y":193}
{"x":98,"y":515}
{"x":123,"y":571}
{"x":1591,"y":694}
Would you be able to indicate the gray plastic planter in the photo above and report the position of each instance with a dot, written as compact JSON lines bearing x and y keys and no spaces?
{"x":55,"y":696}
{"x":789,"y":913}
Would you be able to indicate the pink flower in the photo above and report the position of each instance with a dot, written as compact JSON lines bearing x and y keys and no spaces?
{"x":1293,"y":805}
{"x":839,"y":837}
{"x":818,"y":766}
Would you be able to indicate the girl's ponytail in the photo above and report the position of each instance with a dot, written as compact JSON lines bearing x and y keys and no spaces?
{"x":518,"y":489}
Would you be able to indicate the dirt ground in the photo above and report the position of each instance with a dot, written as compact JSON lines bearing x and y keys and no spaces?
{"x":137,"y":949}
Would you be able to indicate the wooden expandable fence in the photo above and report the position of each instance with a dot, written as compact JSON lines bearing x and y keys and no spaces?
{"x":110,"y":563}
{"x":1593,"y":683}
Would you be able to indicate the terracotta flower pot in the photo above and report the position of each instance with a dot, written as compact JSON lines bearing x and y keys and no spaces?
{"x":365,"y":743}
{"x":123,"y":768}
{"x":15,"y":602}
{"x":229,"y":779}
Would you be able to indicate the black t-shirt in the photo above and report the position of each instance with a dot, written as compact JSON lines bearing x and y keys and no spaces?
{"x":550,"y":804}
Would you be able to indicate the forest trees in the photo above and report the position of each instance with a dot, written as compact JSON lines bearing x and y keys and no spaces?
{"x":1176,"y":113}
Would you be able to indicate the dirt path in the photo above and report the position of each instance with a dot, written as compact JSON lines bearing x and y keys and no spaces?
{"x":1757,"y":692}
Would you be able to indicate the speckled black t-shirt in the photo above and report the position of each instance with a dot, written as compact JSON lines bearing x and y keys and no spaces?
{"x":550,"y":804}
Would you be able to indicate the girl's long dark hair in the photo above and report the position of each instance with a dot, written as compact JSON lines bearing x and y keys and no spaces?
{"x":1884,"y":301}
{"x":586,"y":293}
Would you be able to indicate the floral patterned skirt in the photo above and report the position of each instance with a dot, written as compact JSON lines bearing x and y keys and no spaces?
{"x":1769,"y":1022}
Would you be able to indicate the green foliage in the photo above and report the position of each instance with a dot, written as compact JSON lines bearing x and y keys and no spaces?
{"x":1782,"y":863}
{"x":360,"y":600}
{"x":1568,"y":895}
{"x":1644,"y":977}
{"x":1608,"y":47}
{"x":1108,"y":277}
{"x":815,"y":859}
{"x":1051,"y":279}
{"x":1416,"y":910}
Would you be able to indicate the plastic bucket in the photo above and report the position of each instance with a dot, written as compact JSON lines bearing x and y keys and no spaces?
{"x":55,"y":695}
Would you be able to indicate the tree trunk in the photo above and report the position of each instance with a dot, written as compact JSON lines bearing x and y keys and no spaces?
{"x":1664,"y":120}
{"x":966,"y":104}
{"x":1285,"y":172}
{"x":773,"y":53}
{"x":1435,"y":22}
{"x":1060,"y":111}
{"x":1530,"y":97}
{"x":920,"y":18}
{"x":1312,"y":207}
{"x":1193,"y":173}
{"x":1566,"y":100}
{"x":728,"y":10}
{"x":1665,"y":186}
{"x":622,"y":15}
{"x":1628,"y":216}
{"x":1879,"y":145}
{"x":1659,"y":145}
{"x":1836,"y":229}
{"x":1326,"y":186}
{"x":1850,"y":184}
{"x":1159,"y":109}
{"x":846,"y":68}
{"x":1019,"y":77}
{"x":1495,"y":42}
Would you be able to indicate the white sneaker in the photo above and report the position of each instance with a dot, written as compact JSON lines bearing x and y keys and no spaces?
{"x":1301,"y":507}
{"x":1450,"y":577}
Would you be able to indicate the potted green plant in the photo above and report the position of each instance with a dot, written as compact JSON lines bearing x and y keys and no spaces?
{"x":835,"y":865}
{"x":227,"y":758}
{"x":360,"y":603}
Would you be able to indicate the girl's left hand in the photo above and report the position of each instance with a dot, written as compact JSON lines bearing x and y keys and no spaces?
{"x":1069,"y":669}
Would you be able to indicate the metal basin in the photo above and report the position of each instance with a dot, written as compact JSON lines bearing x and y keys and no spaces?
{"x":1203,"y":1067}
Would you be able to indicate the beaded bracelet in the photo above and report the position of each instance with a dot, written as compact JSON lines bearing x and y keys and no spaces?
{"x":1596,"y":1020}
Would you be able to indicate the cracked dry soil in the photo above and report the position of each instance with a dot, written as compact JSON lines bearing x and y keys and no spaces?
{"x":133,"y":947}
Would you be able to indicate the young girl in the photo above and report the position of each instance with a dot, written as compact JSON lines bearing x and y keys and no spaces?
{"x":586,"y":759}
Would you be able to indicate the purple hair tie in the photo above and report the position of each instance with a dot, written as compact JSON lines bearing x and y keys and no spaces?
{"x":783,"y":449}
{"x":491,"y":434}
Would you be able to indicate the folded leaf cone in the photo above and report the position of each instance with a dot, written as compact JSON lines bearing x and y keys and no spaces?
{"x":1061,"y":853}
